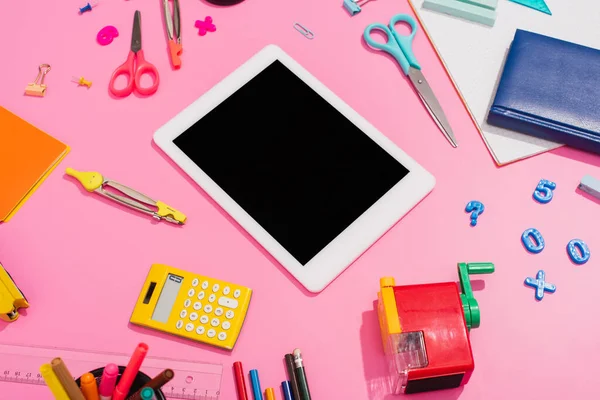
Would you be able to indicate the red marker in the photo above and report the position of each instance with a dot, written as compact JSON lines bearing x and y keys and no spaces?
{"x":122,"y":390}
{"x":240,"y":381}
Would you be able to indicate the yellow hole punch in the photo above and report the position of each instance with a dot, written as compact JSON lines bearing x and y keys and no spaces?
{"x":11,"y":297}
{"x":95,"y":182}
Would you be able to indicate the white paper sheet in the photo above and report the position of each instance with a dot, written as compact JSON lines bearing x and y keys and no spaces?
{"x":474,"y":56}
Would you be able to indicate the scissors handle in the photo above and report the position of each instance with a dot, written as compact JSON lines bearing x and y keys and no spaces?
{"x":124,"y":69}
{"x":175,"y":50}
{"x":144,"y":67}
{"x":399,"y":46}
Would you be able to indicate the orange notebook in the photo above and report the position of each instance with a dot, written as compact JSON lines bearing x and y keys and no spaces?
{"x":27,"y":156}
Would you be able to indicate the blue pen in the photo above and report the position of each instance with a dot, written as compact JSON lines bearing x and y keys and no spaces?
{"x":287,"y":390}
{"x":255,"y":385}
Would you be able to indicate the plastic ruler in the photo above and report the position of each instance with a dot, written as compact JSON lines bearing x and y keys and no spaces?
{"x":193,"y":380}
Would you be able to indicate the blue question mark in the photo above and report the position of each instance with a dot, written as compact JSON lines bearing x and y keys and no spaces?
{"x":476,"y":208}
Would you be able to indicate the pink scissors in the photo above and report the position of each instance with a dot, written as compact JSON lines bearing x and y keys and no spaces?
{"x":134,"y":74}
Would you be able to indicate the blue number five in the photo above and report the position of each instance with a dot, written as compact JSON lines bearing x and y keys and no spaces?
{"x":544,"y":191}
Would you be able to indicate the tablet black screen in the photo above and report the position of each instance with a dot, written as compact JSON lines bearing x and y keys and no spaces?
{"x":291,"y":160}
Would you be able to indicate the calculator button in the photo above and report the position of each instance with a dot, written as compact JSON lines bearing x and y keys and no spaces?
{"x":205,"y":285}
{"x":193,"y":316}
{"x":179,"y":324}
{"x":211,"y":333}
{"x":191,"y":293}
{"x":204,"y":319}
{"x":212,"y":298}
{"x":226,"y":290}
{"x":229,"y":314}
{"x":189,"y":327}
{"x":215,"y":322}
{"x":183,"y":313}
{"x":200,"y":330}
{"x":222,"y":336}
{"x":237,"y":293}
{"x":208,"y":308}
{"x":219,"y":311}
{"x":226,"y":325}
{"x":195,"y":282}
{"x":228,"y":302}
{"x":187,"y":303}
{"x":200,"y":295}
{"x":216,"y":287}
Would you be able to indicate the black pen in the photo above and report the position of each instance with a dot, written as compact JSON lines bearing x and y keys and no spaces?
{"x":289,"y":362}
{"x":301,"y":376}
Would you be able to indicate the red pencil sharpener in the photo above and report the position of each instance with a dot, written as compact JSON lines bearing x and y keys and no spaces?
{"x":425,"y":331}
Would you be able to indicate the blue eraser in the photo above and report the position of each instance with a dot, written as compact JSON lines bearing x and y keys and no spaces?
{"x":462,"y":10}
{"x":590,"y":185}
{"x":351,"y":7}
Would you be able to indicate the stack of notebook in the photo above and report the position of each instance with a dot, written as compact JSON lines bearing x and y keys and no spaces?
{"x":27,"y":157}
{"x":550,"y":89}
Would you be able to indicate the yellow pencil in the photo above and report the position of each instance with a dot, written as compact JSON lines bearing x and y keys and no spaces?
{"x":269,"y":394}
{"x":52,"y":382}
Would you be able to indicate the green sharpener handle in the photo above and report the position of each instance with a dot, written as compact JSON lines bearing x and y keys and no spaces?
{"x":470,"y":305}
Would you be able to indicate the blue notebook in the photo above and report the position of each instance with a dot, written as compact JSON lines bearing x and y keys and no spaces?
{"x":550,"y":89}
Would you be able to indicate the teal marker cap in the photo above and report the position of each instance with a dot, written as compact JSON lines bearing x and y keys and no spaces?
{"x":147,"y":394}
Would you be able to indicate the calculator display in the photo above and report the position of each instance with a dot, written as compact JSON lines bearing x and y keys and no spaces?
{"x":166,"y":301}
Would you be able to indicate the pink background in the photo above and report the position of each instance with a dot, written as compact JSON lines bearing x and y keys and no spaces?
{"x":81,"y":261}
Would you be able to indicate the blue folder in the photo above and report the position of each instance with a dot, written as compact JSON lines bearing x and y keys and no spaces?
{"x":550,"y":89}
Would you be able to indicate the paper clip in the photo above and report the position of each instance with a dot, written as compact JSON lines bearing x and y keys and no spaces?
{"x":304,"y":31}
{"x":38,"y":88}
{"x":353,"y":6}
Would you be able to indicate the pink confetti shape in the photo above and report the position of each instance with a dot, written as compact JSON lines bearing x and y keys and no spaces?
{"x":107,"y":34}
{"x":205,"y":26}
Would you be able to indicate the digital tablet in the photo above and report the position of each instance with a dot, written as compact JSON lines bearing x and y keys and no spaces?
{"x":305,"y":175}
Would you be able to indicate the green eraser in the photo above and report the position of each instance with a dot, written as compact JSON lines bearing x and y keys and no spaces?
{"x":462,"y":10}
{"x":491,"y":4}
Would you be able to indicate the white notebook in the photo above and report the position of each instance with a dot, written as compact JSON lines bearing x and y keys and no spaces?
{"x":474,"y":56}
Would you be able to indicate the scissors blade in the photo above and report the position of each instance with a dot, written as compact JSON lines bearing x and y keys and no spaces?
{"x":136,"y":33}
{"x":168,"y":19}
{"x":431,"y":103}
{"x":176,"y":21}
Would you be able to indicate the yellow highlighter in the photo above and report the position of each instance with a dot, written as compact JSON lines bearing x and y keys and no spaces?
{"x":95,"y":182}
{"x":53,"y":384}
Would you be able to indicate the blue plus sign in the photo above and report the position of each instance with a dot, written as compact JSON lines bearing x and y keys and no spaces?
{"x":540,"y":285}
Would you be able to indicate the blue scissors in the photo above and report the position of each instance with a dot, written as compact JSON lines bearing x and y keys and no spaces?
{"x":400,"y":47}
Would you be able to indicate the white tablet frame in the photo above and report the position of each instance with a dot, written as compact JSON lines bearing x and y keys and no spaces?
{"x":354,"y":240}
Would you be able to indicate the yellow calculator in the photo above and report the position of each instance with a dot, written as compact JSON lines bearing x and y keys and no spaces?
{"x":192,"y":306}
